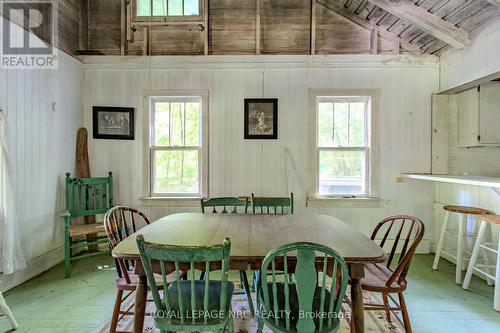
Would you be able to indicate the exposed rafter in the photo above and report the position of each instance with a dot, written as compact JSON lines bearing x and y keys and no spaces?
{"x":428,"y":22}
{"x":494,"y":2}
{"x":342,"y":11}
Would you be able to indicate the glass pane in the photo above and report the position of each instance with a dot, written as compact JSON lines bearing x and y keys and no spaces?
{"x":176,"y":171}
{"x":341,"y":172}
{"x":325,"y":122}
{"x":159,"y":7}
{"x":357,"y":124}
{"x":162,"y":121}
{"x":175,"y":7}
{"x":143,"y":8}
{"x":177,"y":128}
{"x":192,"y":124}
{"x":191,"y":7}
{"x":341,"y":124}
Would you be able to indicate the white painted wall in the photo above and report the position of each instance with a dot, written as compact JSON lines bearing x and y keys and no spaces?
{"x":239,"y":167}
{"x":42,"y":146}
{"x":478,"y":60}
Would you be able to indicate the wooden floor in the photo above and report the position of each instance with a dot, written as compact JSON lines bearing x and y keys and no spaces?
{"x":48,"y":303}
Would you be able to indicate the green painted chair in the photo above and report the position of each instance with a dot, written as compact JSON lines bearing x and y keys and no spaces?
{"x":221,"y":205}
{"x":313,"y":302}
{"x":85,"y":197}
{"x":272,"y":205}
{"x":189,"y":305}
{"x":225,"y":203}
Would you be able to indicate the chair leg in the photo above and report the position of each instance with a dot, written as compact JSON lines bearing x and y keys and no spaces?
{"x":230,"y":323}
{"x":475,"y":254}
{"x":260,"y":326}
{"x":404,"y":313}
{"x":202,"y":275}
{"x":460,"y":248}
{"x":244,"y":283}
{"x":116,"y":312}
{"x":387,"y":306}
{"x":6,"y":310}
{"x":67,"y":252}
{"x":441,"y":240}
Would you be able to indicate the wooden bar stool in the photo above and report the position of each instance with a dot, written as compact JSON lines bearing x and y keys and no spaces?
{"x":491,"y":247}
{"x":461,"y":234}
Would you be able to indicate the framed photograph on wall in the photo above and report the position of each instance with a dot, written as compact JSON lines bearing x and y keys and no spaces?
{"x":261,"y":118}
{"x":113,"y":123}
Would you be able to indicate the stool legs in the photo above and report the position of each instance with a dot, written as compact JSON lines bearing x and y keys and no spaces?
{"x":460,"y":248}
{"x":496,"y":299}
{"x":475,"y":254}
{"x":441,"y":240}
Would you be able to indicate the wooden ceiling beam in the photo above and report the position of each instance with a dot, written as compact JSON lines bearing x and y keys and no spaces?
{"x":494,"y":2}
{"x":342,"y":11}
{"x":428,"y":22}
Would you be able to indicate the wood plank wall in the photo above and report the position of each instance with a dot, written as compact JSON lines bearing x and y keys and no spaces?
{"x":285,"y":29}
{"x":68,"y":25}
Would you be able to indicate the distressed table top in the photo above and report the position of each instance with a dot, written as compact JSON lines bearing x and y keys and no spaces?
{"x":253,"y":236}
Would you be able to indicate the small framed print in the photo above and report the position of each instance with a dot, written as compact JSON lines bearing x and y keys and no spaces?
{"x":113,"y":123}
{"x":261,"y":118}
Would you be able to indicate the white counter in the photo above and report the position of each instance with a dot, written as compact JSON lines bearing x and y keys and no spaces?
{"x":466,"y":180}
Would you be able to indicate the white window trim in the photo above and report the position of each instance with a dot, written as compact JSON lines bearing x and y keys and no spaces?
{"x":147,"y":119}
{"x":372,"y":161}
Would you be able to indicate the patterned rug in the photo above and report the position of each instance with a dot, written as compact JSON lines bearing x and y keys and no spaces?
{"x":375,"y":321}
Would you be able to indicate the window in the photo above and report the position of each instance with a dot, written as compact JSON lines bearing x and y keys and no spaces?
{"x":178,"y":145}
{"x":167,"y":8}
{"x":342,"y":146}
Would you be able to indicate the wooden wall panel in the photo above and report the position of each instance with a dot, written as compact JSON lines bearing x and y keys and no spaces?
{"x":285,"y":26}
{"x":335,"y":34}
{"x":104,"y":26}
{"x":238,"y":166}
{"x":68,"y":25}
{"x":232,"y":26}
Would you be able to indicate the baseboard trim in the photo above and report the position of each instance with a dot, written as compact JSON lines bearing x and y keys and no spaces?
{"x":33,"y":268}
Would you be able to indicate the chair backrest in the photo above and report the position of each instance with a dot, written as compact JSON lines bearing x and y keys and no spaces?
{"x":119,"y":223}
{"x":89,"y":196}
{"x":401,"y":234}
{"x":225,"y":202}
{"x":272,"y":205}
{"x":304,"y":260}
{"x":185,"y":258}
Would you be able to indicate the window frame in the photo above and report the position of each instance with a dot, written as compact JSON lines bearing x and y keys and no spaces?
{"x":167,"y":18}
{"x":370,"y":148}
{"x":150,"y":97}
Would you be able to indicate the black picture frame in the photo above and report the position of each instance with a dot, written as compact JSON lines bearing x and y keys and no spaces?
{"x":120,"y":123}
{"x":259,"y":112}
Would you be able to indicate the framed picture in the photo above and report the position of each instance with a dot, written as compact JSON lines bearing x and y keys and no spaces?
{"x":261,"y":118}
{"x":113,"y":123}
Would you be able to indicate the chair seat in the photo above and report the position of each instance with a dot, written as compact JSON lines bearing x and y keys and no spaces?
{"x":162,"y":320}
{"x":121,"y":282}
{"x":376,"y":277}
{"x":294,"y":306}
{"x":490,"y":218}
{"x":86,"y":229}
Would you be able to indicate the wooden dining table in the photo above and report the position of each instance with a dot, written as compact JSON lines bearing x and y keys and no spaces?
{"x":252,"y":237}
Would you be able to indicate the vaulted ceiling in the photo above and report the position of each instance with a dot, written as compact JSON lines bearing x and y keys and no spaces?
{"x":278,"y":27}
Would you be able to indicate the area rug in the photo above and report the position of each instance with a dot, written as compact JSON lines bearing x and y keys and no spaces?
{"x":375,"y":321}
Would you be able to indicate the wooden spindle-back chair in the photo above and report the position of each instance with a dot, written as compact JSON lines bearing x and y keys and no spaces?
{"x":85,"y":197}
{"x":225,"y":205}
{"x":272,"y":205}
{"x":311,"y":293}
{"x":399,"y":235}
{"x":121,"y":222}
{"x":183,"y":301}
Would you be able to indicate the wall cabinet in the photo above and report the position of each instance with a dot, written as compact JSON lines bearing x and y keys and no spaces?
{"x":478,"y":115}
